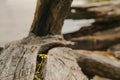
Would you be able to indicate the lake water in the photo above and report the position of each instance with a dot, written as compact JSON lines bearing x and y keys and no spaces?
{"x":16,"y":18}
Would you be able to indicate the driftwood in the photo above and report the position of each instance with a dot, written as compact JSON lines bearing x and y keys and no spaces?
{"x":90,"y":30}
{"x":106,"y":16}
{"x":18,"y":59}
{"x":115,"y":50}
{"x":61,"y":65}
{"x":98,"y":11}
{"x":98,"y":63}
{"x":97,"y":41}
{"x":18,"y":62}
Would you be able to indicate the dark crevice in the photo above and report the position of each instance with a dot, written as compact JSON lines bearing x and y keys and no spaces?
{"x":1,"y":49}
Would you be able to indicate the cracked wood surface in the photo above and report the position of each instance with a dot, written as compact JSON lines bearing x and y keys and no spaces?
{"x":18,"y":62}
{"x":18,"y":58}
{"x":61,"y":65}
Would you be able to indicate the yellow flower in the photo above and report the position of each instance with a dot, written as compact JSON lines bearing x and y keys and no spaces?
{"x":43,"y":56}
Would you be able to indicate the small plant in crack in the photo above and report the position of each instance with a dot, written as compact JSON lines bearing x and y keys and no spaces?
{"x":40,"y":61}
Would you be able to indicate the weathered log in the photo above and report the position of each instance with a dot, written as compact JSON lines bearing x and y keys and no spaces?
{"x":18,"y":62}
{"x":18,"y":59}
{"x":106,"y":15}
{"x":49,"y":17}
{"x":98,"y":63}
{"x":97,"y":41}
{"x":115,"y":50}
{"x":61,"y":65}
{"x":99,"y":11}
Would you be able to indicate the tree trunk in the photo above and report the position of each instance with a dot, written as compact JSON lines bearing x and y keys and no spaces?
{"x":49,"y":16}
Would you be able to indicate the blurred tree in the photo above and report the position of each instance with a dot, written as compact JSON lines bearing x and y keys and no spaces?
{"x":97,"y":0}
{"x":49,"y":16}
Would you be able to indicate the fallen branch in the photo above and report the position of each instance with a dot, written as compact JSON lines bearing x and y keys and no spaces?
{"x":98,"y":63}
{"x":97,"y":41}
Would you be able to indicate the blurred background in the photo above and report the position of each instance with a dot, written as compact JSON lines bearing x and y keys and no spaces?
{"x":16,"y":18}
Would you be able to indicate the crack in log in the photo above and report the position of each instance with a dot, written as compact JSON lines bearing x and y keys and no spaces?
{"x":23,"y":51}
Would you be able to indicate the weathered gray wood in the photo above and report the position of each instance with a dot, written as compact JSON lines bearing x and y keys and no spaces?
{"x":18,"y":62}
{"x":98,"y":63}
{"x":61,"y":65}
{"x":18,"y":59}
{"x":49,"y":16}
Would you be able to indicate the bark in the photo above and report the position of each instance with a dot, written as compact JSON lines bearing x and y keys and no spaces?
{"x":49,"y":16}
{"x":61,"y":65}
{"x":90,"y":30}
{"x":18,"y":59}
{"x":98,"y":63}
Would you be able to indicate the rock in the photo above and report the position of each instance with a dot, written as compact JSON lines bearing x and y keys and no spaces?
{"x":98,"y":63}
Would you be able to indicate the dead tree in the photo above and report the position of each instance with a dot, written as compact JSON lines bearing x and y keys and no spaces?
{"x":49,"y":17}
{"x":18,"y":59}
